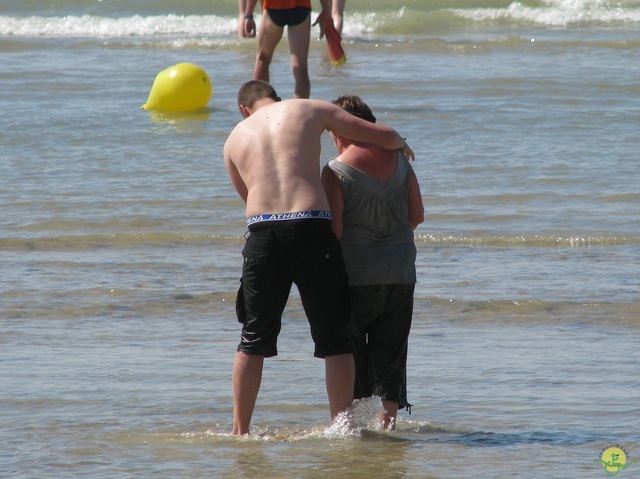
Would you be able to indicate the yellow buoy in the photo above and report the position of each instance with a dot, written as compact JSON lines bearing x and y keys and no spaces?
{"x":182,"y":87}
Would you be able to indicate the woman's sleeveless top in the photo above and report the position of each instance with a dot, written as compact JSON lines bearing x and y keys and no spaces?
{"x":377,"y":239}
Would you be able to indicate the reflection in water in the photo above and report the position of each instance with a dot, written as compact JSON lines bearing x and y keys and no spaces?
{"x":180,"y":118}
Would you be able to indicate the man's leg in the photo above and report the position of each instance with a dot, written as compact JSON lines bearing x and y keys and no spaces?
{"x":340,"y":374}
{"x":241,"y":7}
{"x":337,"y":12}
{"x":269,"y":35}
{"x":299,"y":40}
{"x":247,"y":375}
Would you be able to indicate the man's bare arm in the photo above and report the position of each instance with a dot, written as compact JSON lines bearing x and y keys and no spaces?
{"x":234,"y":175}
{"x":342,"y":123}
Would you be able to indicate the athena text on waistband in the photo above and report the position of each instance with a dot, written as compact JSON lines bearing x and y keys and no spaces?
{"x":290,"y":216}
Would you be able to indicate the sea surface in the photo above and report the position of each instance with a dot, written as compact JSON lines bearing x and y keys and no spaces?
{"x":120,"y":241}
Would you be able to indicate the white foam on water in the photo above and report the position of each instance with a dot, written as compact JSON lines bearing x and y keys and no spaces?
{"x":104,"y":27}
{"x":555,"y":13}
{"x":363,"y":414}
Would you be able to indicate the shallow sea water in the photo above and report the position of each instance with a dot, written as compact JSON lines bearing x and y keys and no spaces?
{"x":120,"y":240}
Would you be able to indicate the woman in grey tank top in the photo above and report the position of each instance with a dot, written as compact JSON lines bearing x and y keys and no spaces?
{"x":376,"y":204}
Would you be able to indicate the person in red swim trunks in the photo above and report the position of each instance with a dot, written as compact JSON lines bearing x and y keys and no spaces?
{"x":276,"y":15}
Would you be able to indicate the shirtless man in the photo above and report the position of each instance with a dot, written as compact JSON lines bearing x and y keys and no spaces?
{"x":273,"y":160}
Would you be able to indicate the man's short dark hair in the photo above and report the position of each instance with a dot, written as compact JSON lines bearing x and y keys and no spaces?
{"x":255,"y":90}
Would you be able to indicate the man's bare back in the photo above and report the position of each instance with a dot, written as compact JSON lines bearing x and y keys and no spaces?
{"x":276,"y":152}
{"x":273,"y":156}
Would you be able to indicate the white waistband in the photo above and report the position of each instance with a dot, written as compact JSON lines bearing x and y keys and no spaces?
{"x":322,"y":214}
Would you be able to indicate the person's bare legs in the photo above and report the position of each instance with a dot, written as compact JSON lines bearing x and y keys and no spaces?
{"x":299,"y":41}
{"x":247,"y":376}
{"x":269,"y":35}
{"x":337,"y":13}
{"x":340,"y":375}
{"x":390,"y":413}
{"x":241,"y":7}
